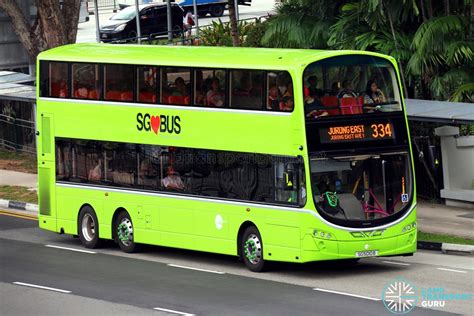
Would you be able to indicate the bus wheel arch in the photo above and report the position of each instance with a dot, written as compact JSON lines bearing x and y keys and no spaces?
{"x":123,"y":231}
{"x":88,"y":227}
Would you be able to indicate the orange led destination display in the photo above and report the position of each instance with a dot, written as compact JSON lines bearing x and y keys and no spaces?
{"x":359,"y":132}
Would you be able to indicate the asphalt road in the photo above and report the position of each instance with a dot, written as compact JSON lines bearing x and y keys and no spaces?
{"x":107,"y":281}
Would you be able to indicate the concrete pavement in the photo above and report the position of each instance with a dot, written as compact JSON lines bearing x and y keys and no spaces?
{"x":15,"y":178}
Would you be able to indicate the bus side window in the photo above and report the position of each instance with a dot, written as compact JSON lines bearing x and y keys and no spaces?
{"x":279,"y":91}
{"x":85,"y":81}
{"x":246,"y":89}
{"x":118,"y":82}
{"x":175,"y":86}
{"x":147,"y":84}
{"x":58,"y":75}
{"x":209,"y":87}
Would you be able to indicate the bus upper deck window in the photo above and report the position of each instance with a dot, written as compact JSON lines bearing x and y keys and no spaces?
{"x":85,"y":81}
{"x":246,"y":89}
{"x":58,"y":75}
{"x":175,"y":86}
{"x":209,"y":87}
{"x":147,"y":84}
{"x":278,"y":90}
{"x":118,"y":81}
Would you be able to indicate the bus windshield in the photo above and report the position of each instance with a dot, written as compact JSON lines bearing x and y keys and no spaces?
{"x":350,"y":85}
{"x":367,"y":187}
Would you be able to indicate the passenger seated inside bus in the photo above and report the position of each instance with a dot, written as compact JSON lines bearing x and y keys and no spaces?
{"x":347,"y":90}
{"x":289,"y":90}
{"x":287,"y":104}
{"x":172,"y":181}
{"x":59,"y":87}
{"x":273,"y":100}
{"x":215,"y":96}
{"x":373,"y":96}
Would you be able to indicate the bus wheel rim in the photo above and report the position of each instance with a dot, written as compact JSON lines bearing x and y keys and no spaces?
{"x":125,"y":232}
{"x":253,"y":249}
{"x":88,"y":227}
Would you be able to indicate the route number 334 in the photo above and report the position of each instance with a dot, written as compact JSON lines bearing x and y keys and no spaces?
{"x":381,"y":130}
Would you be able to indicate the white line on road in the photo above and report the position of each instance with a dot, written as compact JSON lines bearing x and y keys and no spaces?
{"x":397,"y":263}
{"x":348,"y":294}
{"x":197,"y":269}
{"x":72,"y":249}
{"x":172,"y":311}
{"x":451,"y":270}
{"x":41,"y":287}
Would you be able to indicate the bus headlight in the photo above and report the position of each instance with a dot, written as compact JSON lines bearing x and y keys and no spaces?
{"x":321,"y":234}
{"x":409,"y":227}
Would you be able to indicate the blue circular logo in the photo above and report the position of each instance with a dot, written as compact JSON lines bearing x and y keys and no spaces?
{"x":400,"y":296}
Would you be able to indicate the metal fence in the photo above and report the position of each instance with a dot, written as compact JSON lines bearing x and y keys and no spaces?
{"x":103,"y":5}
{"x":17,"y":126}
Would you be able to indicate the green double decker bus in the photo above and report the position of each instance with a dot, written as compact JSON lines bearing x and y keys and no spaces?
{"x":266,"y":154}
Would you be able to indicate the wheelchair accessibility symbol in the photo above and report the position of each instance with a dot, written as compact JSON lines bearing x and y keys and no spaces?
{"x":404,"y":198}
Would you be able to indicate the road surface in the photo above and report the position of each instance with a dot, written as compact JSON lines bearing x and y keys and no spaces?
{"x":46,"y":273}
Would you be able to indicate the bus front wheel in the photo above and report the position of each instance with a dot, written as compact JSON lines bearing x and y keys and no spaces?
{"x":88,"y":227}
{"x":251,"y":249}
{"x":124,"y":233}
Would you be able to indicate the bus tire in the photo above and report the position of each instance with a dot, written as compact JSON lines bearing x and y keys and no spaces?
{"x":88,"y":227}
{"x":251,"y":248}
{"x":124,"y":233}
{"x":216,"y":11}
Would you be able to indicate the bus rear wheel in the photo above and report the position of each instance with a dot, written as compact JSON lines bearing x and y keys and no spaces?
{"x":251,"y":249}
{"x":217,"y":11}
{"x":124,"y":233}
{"x":88,"y":227}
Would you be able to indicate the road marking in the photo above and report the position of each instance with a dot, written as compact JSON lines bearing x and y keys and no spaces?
{"x":72,"y":249}
{"x":397,"y":263}
{"x":348,"y":294}
{"x":18,"y":215}
{"x":451,"y":270}
{"x":172,"y":311}
{"x":197,"y":269}
{"x":42,"y":287}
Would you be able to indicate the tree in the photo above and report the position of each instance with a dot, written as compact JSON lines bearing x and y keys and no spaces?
{"x":234,"y":30}
{"x":55,"y":24}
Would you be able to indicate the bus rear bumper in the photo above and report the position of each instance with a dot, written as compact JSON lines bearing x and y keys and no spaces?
{"x":47,"y":222}
{"x":316,"y":249}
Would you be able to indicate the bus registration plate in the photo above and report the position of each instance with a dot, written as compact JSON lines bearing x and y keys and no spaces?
{"x":367,"y":253}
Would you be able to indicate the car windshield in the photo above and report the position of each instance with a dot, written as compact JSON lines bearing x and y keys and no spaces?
{"x":361,"y":188}
{"x":126,"y":14}
{"x":349,"y":85}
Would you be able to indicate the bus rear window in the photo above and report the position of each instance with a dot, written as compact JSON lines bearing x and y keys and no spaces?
{"x":350,"y":85}
{"x":58,"y":86}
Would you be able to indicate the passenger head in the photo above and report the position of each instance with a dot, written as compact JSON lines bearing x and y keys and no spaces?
{"x":179,"y":82}
{"x":215,"y":84}
{"x":347,"y":85}
{"x":288,"y":103}
{"x":371,"y":87}
{"x":273,"y":91}
{"x":312,"y":81}
{"x":335,"y":86}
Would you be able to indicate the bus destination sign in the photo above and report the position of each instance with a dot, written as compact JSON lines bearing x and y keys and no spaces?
{"x":358,"y":132}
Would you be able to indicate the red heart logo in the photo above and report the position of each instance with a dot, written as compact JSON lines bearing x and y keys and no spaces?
{"x":155,"y":124}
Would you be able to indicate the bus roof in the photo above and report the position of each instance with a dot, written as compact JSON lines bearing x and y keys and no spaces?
{"x":200,"y":56}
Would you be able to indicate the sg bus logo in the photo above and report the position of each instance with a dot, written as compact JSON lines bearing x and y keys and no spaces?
{"x":159,"y":123}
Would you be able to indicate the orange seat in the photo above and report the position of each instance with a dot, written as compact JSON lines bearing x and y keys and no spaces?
{"x":306,"y":92}
{"x":350,"y":106}
{"x":126,"y":96}
{"x":94,"y":94}
{"x":59,"y":90}
{"x":81,"y":93}
{"x":177,"y":99}
{"x":112,"y":95}
{"x":147,"y":97}
{"x":331,"y":102}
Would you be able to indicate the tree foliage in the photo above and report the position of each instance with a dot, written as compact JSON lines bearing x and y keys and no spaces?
{"x":432,"y":41}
